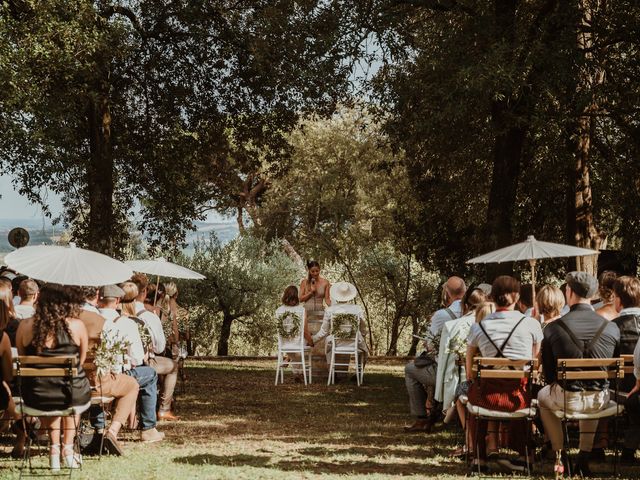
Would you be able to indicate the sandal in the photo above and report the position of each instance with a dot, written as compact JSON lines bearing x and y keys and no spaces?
{"x":71,"y":458}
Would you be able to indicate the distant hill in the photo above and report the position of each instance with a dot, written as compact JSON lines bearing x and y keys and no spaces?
{"x":46,"y":233}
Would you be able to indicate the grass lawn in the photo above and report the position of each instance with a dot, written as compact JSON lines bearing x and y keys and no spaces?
{"x":236,"y":424}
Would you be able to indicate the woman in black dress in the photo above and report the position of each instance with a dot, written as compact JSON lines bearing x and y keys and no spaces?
{"x":56,"y":330}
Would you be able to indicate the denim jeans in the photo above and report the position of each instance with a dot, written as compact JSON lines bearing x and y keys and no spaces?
{"x":147,"y":378}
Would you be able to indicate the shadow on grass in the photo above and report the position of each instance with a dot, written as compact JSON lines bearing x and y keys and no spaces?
{"x":311,"y":465}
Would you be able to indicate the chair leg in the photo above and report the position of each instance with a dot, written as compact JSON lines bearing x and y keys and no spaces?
{"x":567,"y":449}
{"x":357,"y":365}
{"x":331,"y":367}
{"x":304,"y":367}
{"x":278,"y":367}
{"x":310,"y":368}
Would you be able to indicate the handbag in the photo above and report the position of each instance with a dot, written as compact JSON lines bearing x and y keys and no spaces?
{"x":424,"y":360}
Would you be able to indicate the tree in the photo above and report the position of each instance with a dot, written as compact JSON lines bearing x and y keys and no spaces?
{"x":504,"y":109}
{"x":245,"y":280}
{"x":158,"y":106}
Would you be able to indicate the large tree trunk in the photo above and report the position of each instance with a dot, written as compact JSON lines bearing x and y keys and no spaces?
{"x":395,"y":334}
{"x":415,"y":330}
{"x":225,"y":334}
{"x":509,"y":119}
{"x":581,"y":223}
{"x":100,"y":177}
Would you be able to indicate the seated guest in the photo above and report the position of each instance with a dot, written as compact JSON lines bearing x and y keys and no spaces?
{"x":626,"y":300}
{"x":420,"y":375}
{"x":147,"y":378}
{"x":28,"y":292}
{"x":107,"y":384}
{"x":342,"y":293}
{"x":525,"y":304}
{"x":581,"y":333}
{"x":8,"y":312}
{"x":56,"y":330}
{"x":550,"y":302}
{"x":164,"y":366}
{"x":453,"y":347}
{"x":291,"y":303}
{"x":507,"y":333}
{"x":605,"y":308}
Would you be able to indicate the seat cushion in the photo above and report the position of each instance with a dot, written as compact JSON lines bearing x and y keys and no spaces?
{"x":498,"y":415}
{"x":98,"y":400}
{"x":610,"y":410}
{"x":34,"y":412}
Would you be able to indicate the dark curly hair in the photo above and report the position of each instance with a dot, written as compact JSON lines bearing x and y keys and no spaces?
{"x":55,"y":304}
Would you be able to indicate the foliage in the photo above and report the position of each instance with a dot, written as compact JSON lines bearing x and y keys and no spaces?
{"x":343,"y":201}
{"x":486,"y":100}
{"x":159,"y":107}
{"x":110,"y":353}
{"x":245,"y":280}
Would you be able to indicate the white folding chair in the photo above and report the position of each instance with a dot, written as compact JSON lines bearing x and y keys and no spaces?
{"x":291,"y":341}
{"x":344,"y":341}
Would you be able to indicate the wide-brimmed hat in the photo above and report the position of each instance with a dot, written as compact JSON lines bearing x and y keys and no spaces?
{"x":343,"y":291}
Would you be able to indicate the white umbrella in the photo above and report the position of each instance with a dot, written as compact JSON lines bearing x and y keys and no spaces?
{"x":532,"y":250}
{"x":163,"y":268}
{"x":68,"y":265}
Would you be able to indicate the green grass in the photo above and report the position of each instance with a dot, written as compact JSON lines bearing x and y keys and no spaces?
{"x":237,"y":425}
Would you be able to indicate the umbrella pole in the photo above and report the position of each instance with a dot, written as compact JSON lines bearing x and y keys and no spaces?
{"x":155,"y":296}
{"x":532,"y":263}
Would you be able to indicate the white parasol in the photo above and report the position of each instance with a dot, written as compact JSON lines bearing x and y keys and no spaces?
{"x":163,"y":268}
{"x":68,"y":265}
{"x":532,"y":250}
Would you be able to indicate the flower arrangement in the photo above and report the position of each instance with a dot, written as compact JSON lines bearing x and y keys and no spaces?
{"x":145,"y":335}
{"x":432,"y":344}
{"x":109,"y":354}
{"x":345,"y":325}
{"x":288,"y":324}
{"x":458,"y":343}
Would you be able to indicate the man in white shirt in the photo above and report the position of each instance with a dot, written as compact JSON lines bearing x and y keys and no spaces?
{"x":422,"y":377}
{"x":146,"y":376}
{"x":164,"y":366}
{"x":28,"y":293}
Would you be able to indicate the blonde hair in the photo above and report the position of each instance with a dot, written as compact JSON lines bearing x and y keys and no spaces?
{"x":483,"y":310}
{"x":170,"y":289}
{"x":128,"y":301}
{"x":7,"y":311}
{"x":550,"y":301}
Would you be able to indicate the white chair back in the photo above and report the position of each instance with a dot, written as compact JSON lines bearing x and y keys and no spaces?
{"x":345,"y":326}
{"x":290,"y":325}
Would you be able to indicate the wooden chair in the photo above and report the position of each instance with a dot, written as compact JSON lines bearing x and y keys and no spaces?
{"x":589,"y":369}
{"x":504,"y":368}
{"x":41,"y":366}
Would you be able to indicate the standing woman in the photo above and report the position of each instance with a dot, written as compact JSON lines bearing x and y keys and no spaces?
{"x":56,"y":330}
{"x":314,"y":292}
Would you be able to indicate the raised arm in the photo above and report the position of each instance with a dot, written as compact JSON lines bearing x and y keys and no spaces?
{"x":304,"y":295}
{"x":327,"y":294}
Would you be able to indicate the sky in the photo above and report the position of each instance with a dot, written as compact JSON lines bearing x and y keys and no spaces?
{"x":13,"y":205}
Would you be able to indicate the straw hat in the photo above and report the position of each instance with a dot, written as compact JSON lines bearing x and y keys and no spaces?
{"x":343,"y":291}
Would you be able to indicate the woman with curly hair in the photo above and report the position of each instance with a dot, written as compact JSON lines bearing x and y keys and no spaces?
{"x":55,"y":330}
